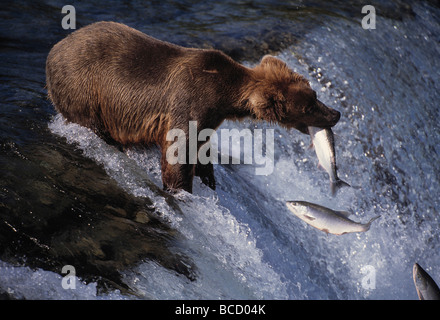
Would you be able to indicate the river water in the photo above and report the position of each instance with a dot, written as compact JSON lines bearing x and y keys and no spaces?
{"x":68,"y":198}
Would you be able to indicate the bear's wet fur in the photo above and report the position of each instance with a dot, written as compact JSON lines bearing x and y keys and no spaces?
{"x":132,"y":89}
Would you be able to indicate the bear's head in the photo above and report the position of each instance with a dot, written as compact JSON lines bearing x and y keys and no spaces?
{"x":280,"y":95}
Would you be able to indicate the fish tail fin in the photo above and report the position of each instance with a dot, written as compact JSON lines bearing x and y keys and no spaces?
{"x":336,"y":185}
{"x":368,"y":224}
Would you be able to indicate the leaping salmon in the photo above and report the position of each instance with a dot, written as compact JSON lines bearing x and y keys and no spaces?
{"x":325,"y":219}
{"x":324,"y":143}
{"x":426,"y":287}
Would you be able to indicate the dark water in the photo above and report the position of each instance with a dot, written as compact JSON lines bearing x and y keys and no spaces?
{"x":69,"y":199}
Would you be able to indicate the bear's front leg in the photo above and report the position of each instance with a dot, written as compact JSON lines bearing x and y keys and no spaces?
{"x":206,"y":174}
{"x":205,"y":171}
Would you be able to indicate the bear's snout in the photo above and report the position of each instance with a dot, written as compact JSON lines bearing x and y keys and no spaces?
{"x":330,"y":116}
{"x":336,"y":115}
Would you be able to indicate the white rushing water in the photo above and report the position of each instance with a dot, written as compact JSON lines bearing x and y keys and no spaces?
{"x":242,"y":238}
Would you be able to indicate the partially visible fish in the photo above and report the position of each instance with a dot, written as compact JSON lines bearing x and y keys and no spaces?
{"x":426,"y":287}
{"x":325,"y":219}
{"x":324,"y":143}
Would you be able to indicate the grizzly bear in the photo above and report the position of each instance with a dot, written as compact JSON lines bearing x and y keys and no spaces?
{"x":132,"y":89}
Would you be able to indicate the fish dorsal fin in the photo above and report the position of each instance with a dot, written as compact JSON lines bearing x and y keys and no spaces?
{"x":344,"y":214}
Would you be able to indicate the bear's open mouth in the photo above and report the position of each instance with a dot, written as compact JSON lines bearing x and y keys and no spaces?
{"x":303,"y":128}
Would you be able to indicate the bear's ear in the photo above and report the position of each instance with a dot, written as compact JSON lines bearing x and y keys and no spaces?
{"x":269,"y":60}
{"x":268,"y":105}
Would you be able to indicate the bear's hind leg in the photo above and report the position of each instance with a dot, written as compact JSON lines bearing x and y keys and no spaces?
{"x":177,"y":176}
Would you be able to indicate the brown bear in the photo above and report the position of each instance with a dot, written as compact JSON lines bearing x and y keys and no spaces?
{"x":132,"y":89}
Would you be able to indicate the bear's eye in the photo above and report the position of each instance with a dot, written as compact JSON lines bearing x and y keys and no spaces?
{"x":308,"y":108}
{"x":311,"y":107}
